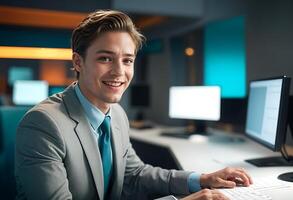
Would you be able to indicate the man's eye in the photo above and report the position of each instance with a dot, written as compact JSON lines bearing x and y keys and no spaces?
{"x":104,"y":59}
{"x":128,"y":61}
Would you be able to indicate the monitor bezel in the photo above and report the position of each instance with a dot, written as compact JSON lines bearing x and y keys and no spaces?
{"x":282,"y":115}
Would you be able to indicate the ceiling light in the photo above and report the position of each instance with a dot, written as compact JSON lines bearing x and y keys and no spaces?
{"x":35,"y":53}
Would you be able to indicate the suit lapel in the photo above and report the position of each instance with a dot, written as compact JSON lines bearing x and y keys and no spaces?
{"x":92,"y":153}
{"x":87,"y":140}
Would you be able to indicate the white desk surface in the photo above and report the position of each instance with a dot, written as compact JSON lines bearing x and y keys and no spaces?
{"x":207,"y":155}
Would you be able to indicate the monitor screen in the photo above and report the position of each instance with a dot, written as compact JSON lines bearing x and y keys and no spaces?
{"x":266,"y":119}
{"x":29,"y":92}
{"x":195,"y":102}
{"x":19,"y":73}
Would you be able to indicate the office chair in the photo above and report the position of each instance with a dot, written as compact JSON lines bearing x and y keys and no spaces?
{"x":156,"y":155}
{"x":9,"y":120}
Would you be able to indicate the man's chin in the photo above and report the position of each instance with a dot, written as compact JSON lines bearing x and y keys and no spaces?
{"x":114,"y":100}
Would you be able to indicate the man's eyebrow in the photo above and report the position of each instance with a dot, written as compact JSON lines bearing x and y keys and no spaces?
{"x":111,"y":52}
{"x":105,"y":51}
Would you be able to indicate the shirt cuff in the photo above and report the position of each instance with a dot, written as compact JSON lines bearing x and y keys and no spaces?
{"x":193,"y":182}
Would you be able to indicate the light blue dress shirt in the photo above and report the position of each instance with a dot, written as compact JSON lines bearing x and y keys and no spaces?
{"x":194,"y":182}
{"x":96,"y":117}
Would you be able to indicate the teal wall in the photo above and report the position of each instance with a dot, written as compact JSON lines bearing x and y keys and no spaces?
{"x":224,"y":56}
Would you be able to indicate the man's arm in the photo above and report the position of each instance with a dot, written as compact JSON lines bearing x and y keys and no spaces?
{"x":149,"y":181}
{"x":40,"y":150}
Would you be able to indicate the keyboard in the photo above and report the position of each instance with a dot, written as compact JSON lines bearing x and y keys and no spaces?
{"x":257,"y":191}
{"x":244,"y":193}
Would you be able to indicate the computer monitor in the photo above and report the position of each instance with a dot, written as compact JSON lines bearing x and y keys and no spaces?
{"x":267,"y":113}
{"x":197,"y":103}
{"x":140,"y":95}
{"x":29,"y":93}
{"x":140,"y":99}
{"x":267,"y":109}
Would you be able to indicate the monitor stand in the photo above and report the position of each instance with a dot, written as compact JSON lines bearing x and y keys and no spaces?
{"x":195,"y":128}
{"x":273,"y":162}
{"x":289,"y":176}
{"x":270,"y":162}
{"x":277,"y":161}
{"x":286,"y":177}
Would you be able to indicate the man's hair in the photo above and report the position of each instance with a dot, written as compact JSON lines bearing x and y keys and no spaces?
{"x":99,"y":22}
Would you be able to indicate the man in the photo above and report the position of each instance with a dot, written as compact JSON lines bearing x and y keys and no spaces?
{"x":75,"y":144}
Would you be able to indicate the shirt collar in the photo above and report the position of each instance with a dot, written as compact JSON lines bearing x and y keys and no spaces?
{"x":94,"y":115}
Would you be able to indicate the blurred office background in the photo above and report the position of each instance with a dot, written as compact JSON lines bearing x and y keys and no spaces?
{"x":190,"y":42}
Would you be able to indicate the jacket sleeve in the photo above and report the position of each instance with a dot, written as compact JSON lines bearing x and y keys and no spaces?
{"x":40,"y":150}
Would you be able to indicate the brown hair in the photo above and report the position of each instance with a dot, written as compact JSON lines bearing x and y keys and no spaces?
{"x":99,"y":22}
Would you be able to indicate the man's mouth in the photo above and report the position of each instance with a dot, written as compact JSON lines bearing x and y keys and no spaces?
{"x":113,"y":83}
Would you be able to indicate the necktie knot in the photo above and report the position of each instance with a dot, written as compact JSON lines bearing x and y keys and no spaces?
{"x":106,"y":124}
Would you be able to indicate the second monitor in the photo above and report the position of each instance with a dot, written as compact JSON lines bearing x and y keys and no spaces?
{"x":197,"y":103}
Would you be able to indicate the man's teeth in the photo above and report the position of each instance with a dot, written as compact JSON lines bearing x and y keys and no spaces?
{"x":113,"y":84}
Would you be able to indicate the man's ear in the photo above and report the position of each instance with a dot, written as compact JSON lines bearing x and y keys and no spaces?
{"x":77,"y":61}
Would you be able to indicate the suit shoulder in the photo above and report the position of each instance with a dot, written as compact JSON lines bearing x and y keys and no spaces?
{"x":117,"y":107}
{"x":51,"y":104}
{"x":50,"y":108}
{"x":119,"y":114}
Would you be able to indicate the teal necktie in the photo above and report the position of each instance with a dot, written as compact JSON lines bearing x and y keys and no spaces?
{"x":106,"y":151}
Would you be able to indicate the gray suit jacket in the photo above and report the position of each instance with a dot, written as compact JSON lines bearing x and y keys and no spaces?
{"x":57,"y":157}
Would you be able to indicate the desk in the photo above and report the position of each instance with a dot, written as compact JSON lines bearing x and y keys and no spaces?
{"x":205,"y":156}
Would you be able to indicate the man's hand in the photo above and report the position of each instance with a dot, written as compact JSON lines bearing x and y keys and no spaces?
{"x":228,"y":178}
{"x":206,"y":194}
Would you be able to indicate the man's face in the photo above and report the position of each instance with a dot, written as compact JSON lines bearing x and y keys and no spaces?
{"x":107,"y":68}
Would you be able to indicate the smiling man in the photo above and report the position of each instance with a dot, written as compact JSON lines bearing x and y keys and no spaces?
{"x":107,"y":70}
{"x":75,"y":144}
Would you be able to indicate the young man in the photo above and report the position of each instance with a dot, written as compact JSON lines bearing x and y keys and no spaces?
{"x":75,"y":145}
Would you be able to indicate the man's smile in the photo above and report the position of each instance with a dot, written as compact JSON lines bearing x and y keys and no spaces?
{"x":113,"y":83}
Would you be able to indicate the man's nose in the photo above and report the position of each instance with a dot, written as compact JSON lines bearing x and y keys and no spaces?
{"x":117,"y":68}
